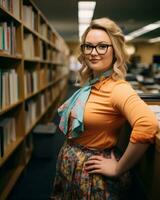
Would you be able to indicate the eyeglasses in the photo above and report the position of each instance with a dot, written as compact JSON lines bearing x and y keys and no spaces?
{"x":100,"y":48}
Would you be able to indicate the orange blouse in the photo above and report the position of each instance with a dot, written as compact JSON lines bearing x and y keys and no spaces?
{"x":109,"y":105}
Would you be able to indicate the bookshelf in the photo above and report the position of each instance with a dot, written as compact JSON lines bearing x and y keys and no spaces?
{"x":33,"y":78}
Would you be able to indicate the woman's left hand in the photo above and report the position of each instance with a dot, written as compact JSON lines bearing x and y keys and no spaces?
{"x":102,"y":165}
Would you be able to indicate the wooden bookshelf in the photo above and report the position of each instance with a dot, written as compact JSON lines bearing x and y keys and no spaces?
{"x":33,"y":78}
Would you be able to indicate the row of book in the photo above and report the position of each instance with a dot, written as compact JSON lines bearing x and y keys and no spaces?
{"x":35,"y":107}
{"x":32,"y":111}
{"x":29,"y":46}
{"x":46,"y":76}
{"x":8,"y":44}
{"x":12,"y":6}
{"x":8,"y":37}
{"x":34,"y":80}
{"x":43,"y":30}
{"x":30,"y":82}
{"x":9,"y":87}
{"x":31,"y":49}
{"x":7,"y":133}
{"x":29,"y":17}
{"x":9,"y":83}
{"x":49,"y":54}
{"x":45,"y":51}
{"x":51,"y":74}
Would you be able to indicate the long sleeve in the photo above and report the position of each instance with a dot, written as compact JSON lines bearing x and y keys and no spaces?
{"x":135,"y":110}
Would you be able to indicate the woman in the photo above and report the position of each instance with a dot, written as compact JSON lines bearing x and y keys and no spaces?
{"x":89,"y":165}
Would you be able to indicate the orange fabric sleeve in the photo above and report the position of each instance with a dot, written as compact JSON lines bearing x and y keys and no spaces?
{"x":142,"y":120}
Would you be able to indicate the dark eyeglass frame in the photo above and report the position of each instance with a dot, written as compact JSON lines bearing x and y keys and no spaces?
{"x":94,"y":47}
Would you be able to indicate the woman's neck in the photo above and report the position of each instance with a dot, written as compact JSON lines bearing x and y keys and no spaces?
{"x":107,"y":73}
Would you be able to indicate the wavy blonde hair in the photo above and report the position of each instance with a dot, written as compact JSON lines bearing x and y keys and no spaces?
{"x":121,"y":57}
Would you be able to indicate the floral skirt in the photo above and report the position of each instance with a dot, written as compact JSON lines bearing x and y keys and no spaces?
{"x":72,"y":182}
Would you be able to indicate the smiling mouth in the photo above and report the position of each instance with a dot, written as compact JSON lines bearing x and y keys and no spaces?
{"x":94,"y":60}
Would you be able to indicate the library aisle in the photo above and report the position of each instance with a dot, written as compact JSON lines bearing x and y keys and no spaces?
{"x":35,"y":183}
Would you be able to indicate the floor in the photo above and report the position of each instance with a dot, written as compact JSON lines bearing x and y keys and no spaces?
{"x":36,"y":181}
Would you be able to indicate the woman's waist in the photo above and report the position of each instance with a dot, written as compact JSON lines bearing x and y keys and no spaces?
{"x":95,"y":141}
{"x":76,"y":148}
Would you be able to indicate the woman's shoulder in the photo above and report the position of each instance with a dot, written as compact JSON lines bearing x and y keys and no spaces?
{"x":111,"y":83}
{"x":121,"y":83}
{"x":122,"y":89}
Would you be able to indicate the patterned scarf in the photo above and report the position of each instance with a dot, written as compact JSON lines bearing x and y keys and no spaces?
{"x":76,"y":104}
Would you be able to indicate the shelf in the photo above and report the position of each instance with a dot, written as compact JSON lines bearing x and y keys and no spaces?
{"x":10,"y":149}
{"x":12,"y":181}
{"x":10,"y":107}
{"x":4,"y":14}
{"x":4,"y":54}
{"x":38,"y":119}
{"x":33,"y":73}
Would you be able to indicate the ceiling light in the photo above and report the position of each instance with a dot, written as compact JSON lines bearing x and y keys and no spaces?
{"x":143,"y":30}
{"x":82,"y":28}
{"x":157,"y":39}
{"x":86,"y":5}
{"x":85,"y":14}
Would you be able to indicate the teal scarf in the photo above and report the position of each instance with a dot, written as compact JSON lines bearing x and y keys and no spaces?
{"x":76,"y":104}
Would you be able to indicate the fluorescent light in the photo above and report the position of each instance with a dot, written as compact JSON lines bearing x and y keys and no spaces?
{"x":86,"y":5}
{"x":128,"y":37}
{"x":84,"y":21}
{"x":143,"y":30}
{"x":82,"y":28}
{"x":151,"y":27}
{"x":85,"y":14}
{"x":157,"y":39}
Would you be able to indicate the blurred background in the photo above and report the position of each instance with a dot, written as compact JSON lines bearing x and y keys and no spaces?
{"x":139,"y":20}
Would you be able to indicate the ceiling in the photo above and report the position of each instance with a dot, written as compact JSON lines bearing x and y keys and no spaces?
{"x":129,"y":14}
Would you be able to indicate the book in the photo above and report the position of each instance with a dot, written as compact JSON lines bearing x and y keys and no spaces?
{"x":7,"y":133}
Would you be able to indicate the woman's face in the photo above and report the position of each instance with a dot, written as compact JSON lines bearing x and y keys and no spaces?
{"x":97,"y":62}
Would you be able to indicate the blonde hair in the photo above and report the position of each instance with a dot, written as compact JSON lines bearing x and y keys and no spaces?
{"x":121,"y":56}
